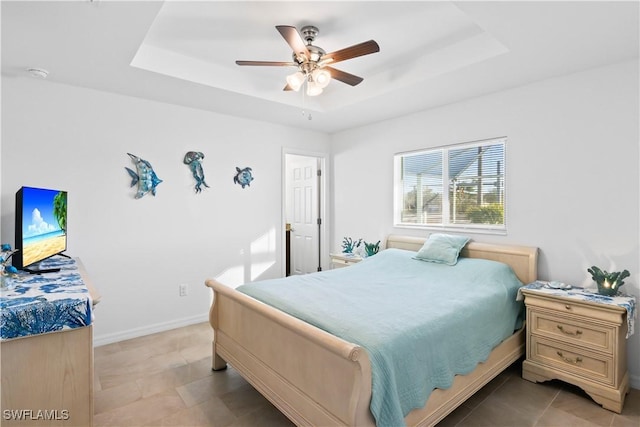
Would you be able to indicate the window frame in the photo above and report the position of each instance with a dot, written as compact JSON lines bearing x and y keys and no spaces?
{"x":446,"y":224}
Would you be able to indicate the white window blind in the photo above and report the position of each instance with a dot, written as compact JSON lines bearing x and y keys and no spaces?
{"x":460,"y":186}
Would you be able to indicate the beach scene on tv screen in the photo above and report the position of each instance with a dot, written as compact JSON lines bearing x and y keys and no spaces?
{"x":44,"y":224}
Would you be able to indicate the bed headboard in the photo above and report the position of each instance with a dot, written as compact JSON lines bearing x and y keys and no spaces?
{"x":523,"y":259}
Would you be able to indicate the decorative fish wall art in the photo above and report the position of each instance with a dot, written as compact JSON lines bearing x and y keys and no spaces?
{"x":243,"y":177}
{"x":192,"y":158}
{"x":145,"y":176}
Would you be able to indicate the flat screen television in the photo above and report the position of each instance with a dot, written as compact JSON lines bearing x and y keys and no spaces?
{"x":41,"y":227}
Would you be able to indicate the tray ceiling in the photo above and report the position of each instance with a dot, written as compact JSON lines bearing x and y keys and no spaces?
{"x":431,"y":53}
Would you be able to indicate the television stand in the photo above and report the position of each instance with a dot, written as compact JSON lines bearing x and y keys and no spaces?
{"x":40,"y":270}
{"x":36,"y":269}
{"x":49,"y":373}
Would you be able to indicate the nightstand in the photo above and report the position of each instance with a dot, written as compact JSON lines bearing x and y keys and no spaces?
{"x":580,"y":338}
{"x":343,"y":260}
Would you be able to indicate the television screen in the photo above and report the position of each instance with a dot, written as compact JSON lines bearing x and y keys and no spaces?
{"x":41,"y":225}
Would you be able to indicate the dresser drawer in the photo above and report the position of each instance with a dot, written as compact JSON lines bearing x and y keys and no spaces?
{"x":573,"y":331}
{"x":571,"y":359}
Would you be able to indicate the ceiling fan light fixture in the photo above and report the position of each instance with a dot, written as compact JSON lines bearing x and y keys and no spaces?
{"x":296,"y":80}
{"x":311,"y":60}
{"x":313,"y":89}
{"x":321,"y":77}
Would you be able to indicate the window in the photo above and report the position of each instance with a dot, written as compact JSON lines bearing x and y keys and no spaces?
{"x":459,"y":186}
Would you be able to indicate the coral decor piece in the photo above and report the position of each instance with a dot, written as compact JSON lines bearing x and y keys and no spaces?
{"x":7,"y":272}
{"x":243,"y":177}
{"x":349,"y":245}
{"x":145,"y":177}
{"x":192,"y":158}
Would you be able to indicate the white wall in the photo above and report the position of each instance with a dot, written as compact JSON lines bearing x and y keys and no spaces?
{"x":138,"y":251}
{"x":572,"y":190}
{"x":572,"y":172}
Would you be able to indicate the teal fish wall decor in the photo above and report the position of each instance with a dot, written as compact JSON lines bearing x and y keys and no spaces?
{"x":145,"y":177}
{"x":192,"y":158}
{"x":243,"y":177}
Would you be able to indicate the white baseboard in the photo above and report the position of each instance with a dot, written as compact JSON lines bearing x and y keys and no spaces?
{"x":147,"y":330}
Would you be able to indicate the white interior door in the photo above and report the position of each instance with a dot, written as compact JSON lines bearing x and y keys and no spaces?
{"x":303,"y":212}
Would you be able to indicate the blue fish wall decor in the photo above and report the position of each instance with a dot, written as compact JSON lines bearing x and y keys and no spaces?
{"x":145,"y":177}
{"x":192,"y":158}
{"x":243,"y":177}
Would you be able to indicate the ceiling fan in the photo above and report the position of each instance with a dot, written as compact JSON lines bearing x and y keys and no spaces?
{"x":313,"y":63}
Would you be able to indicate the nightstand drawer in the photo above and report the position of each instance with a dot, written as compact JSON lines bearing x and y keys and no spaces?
{"x":571,"y":359}
{"x":592,"y":311}
{"x":343,"y":260}
{"x":576,"y":332}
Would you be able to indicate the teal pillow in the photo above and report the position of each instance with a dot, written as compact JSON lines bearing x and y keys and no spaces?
{"x":442,"y":248}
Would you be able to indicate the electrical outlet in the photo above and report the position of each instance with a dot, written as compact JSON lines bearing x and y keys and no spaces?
{"x":183,"y":289}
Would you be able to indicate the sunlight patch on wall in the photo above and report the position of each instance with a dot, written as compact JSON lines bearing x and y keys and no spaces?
{"x":232,"y":276}
{"x":263,"y":253}
{"x":260,"y":257}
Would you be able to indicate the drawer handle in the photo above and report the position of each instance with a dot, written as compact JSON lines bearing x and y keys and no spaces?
{"x":576,"y":333}
{"x":567,"y":306}
{"x":569,"y":360}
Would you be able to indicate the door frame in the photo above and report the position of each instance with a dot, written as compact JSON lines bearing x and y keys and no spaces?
{"x":324,"y":203}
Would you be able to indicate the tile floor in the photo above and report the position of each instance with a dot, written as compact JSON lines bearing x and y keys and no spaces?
{"x":165,"y":379}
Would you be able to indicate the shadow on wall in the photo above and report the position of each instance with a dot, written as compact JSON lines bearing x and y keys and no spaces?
{"x":257,"y":259}
{"x":612,"y":260}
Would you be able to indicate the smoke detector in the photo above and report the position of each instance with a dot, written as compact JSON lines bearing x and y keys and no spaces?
{"x":38,"y":72}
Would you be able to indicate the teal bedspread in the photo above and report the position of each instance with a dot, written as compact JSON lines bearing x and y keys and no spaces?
{"x":421,"y":323}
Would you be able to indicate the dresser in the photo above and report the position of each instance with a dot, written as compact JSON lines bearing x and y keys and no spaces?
{"x":47,"y":368}
{"x":579,"y":338}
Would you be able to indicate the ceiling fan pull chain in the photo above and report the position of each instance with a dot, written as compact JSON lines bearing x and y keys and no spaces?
{"x":304,"y":97}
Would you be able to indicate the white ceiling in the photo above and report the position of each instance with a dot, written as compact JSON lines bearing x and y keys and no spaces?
{"x":431,"y":52}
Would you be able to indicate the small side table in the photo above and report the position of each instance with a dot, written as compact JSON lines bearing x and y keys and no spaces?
{"x":581,"y":338}
{"x":343,"y":260}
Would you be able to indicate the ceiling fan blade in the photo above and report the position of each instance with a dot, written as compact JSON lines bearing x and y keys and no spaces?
{"x":287,"y":87}
{"x":293,"y":38}
{"x":267,"y":63}
{"x":347,"y":78}
{"x":364,"y":48}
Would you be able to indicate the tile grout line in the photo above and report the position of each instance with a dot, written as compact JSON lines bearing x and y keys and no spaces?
{"x":547,"y":407}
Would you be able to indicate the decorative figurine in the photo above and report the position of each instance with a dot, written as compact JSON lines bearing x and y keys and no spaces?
{"x":371,"y":248}
{"x":7,"y":272}
{"x":192,"y":158}
{"x":146,"y":178}
{"x":349,"y":245}
{"x":608,"y":283}
{"x":243,"y":177}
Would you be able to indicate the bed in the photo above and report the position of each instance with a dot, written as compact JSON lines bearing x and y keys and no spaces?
{"x":316,"y":378}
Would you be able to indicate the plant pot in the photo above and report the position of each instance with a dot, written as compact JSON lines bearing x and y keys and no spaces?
{"x":605,"y":288}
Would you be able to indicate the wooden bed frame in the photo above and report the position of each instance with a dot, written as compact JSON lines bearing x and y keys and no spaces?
{"x":318,"y":379}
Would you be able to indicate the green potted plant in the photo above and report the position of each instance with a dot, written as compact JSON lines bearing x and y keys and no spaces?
{"x":608,"y":283}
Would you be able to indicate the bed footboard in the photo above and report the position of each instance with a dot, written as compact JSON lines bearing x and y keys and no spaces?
{"x":306,"y":375}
